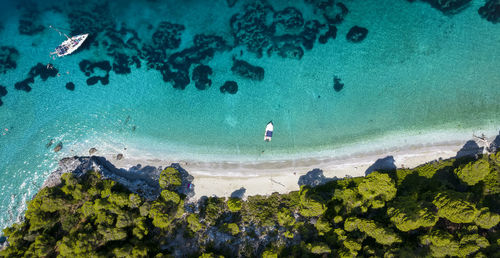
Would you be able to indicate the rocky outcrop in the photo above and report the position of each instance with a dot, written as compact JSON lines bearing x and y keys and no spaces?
{"x":138,"y":179}
{"x":490,"y":11}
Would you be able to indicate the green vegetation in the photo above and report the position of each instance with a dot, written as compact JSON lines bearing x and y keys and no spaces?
{"x":446,"y":208}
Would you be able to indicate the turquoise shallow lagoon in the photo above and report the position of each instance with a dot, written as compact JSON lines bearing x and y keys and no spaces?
{"x":417,"y":72}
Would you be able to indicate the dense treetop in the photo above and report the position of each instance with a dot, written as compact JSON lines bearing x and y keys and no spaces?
{"x":443,"y":208}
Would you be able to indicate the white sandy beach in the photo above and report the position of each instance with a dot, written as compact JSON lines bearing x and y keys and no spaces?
{"x":266,"y":177}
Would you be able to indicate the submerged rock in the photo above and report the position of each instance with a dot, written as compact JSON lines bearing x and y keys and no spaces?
{"x":449,"y":6}
{"x":70,"y":86}
{"x":49,"y":143}
{"x":289,"y":18}
{"x":337,"y":85}
{"x":331,"y":33}
{"x":356,"y":34}
{"x":119,"y":156}
{"x":43,"y":71}
{"x":230,"y":87}
{"x":29,"y":27}
{"x":168,"y":35}
{"x":24,"y":84}
{"x":490,"y":11}
{"x":252,"y":27}
{"x":245,"y":69}
{"x":335,"y":13}
{"x":8,"y":58}
{"x":92,"y":151}
{"x":231,"y":3}
{"x":3,"y":91}
{"x":58,"y":147}
{"x":200,"y":77}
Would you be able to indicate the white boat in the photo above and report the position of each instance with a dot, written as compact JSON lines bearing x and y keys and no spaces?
{"x":269,"y":132}
{"x":70,"y":45}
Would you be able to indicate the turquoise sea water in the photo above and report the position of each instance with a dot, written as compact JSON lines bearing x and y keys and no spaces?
{"x":418,"y":71}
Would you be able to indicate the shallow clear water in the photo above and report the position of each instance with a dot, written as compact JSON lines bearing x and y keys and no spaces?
{"x":416,"y":72}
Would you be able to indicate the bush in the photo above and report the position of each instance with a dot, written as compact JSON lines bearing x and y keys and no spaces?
{"x":170,"y":178}
{"x":234,"y":204}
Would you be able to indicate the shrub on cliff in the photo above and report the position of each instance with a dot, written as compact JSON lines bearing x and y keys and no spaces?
{"x":170,"y":178}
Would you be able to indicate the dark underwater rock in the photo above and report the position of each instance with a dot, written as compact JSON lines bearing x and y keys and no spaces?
{"x":92,"y":151}
{"x":245,"y":69}
{"x":3,"y":92}
{"x":290,"y":18}
{"x":24,"y":84}
{"x":356,"y":34}
{"x":179,"y":79}
{"x":200,"y":77}
{"x":70,"y":86}
{"x":291,"y":51}
{"x":119,"y":156}
{"x":252,"y":27}
{"x":58,"y":147}
{"x":29,"y":27}
{"x":231,"y":3}
{"x":8,"y":58}
{"x":335,"y":13}
{"x":95,"y":79}
{"x":331,"y":33}
{"x":43,"y":71}
{"x":230,"y":87}
{"x":88,"y":67}
{"x":449,"y":6}
{"x":93,"y":19}
{"x":310,"y":32}
{"x":121,"y":64}
{"x":204,"y":41}
{"x":490,"y":11}
{"x":337,"y":85}
{"x":168,"y":35}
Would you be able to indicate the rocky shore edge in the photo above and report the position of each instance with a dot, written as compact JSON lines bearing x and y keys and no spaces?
{"x":138,"y":179}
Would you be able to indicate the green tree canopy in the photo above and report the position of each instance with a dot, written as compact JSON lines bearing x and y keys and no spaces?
{"x":473,"y":172}
{"x":377,"y":188}
{"x":170,"y":178}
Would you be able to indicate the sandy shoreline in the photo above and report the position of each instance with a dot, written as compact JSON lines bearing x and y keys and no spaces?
{"x":266,"y":177}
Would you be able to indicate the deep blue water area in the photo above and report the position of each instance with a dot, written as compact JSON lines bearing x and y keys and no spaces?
{"x":199,"y":80}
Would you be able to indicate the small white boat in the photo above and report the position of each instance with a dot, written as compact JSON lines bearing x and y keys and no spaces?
{"x":70,"y":45}
{"x":269,"y":132}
